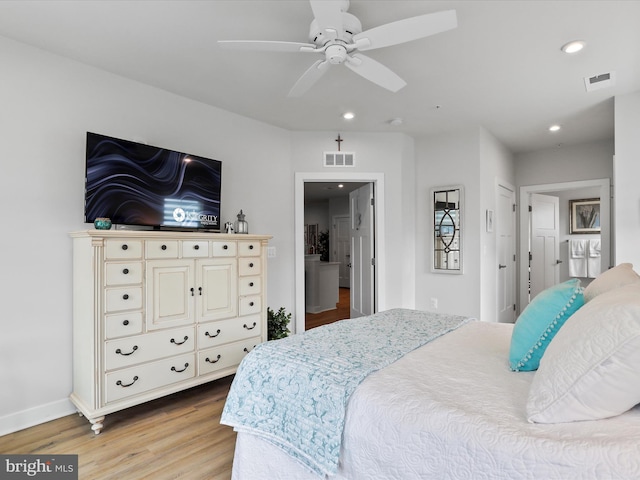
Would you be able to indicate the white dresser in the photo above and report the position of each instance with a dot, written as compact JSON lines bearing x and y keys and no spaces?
{"x":158,"y":312}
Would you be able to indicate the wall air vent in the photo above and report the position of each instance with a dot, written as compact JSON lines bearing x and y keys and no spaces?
{"x":339,"y":159}
{"x":602,"y":80}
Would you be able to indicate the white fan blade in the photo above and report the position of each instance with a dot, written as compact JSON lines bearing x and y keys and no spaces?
{"x":375,"y":72}
{"x":267,"y":46}
{"x":328,"y":14}
{"x":309,"y":78}
{"x":406,"y":30}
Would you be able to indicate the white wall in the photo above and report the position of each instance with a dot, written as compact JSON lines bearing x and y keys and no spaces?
{"x":627,"y":179}
{"x":442,"y":161}
{"x":392,"y":156}
{"x":565,"y":164}
{"x":475,"y":159}
{"x":48,"y":104}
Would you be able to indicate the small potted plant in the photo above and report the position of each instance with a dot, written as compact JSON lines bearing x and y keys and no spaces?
{"x":277,"y":323}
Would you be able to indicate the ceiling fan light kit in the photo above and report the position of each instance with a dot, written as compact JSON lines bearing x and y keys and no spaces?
{"x":337,"y":36}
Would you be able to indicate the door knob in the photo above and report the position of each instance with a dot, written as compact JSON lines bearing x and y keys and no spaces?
{"x":558,"y":262}
{"x":501,"y":266}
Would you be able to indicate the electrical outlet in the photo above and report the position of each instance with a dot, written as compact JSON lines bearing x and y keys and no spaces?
{"x":271,"y":252}
{"x":433,"y":302}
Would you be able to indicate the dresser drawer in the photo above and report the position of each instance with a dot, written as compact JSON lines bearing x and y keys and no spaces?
{"x":223,"y":249}
{"x":123,"y":298}
{"x":123,"y":324}
{"x":249,"y":249}
{"x":195,"y":249}
{"x":226,"y":331}
{"x":143,"y":378}
{"x":249,"y":305}
{"x":162,"y":249}
{"x":249,"y":266}
{"x":250,"y":285}
{"x":123,"y":273}
{"x":152,"y":346}
{"x":224,"y":356}
{"x":122,"y":249}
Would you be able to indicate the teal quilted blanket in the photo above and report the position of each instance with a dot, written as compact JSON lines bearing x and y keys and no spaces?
{"x":293,"y":392}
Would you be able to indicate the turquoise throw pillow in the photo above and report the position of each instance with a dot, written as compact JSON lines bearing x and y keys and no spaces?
{"x":540,"y":321}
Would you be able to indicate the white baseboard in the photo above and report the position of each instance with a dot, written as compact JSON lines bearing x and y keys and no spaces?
{"x":35,"y":416}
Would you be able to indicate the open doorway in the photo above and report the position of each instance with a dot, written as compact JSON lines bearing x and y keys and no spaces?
{"x":555,"y":265}
{"x":323,"y":184}
{"x":328,"y":251}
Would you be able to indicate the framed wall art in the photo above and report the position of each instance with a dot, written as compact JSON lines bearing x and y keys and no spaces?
{"x":584,"y":216}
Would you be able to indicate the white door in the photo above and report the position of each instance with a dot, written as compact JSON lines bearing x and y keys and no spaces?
{"x":544,"y":246}
{"x":362,"y":251}
{"x":506,"y":243}
{"x":341,"y":251}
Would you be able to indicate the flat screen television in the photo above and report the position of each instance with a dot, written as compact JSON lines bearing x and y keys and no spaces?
{"x":137,"y":184}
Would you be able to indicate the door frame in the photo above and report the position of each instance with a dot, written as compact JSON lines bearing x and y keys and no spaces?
{"x":378,"y":185}
{"x":514,"y":242}
{"x":523,"y":225}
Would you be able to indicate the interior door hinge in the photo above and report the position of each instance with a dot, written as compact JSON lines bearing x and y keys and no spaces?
{"x":514,"y":207}
{"x":514,"y":307}
{"x":514,"y":257}
{"x":530,"y":256}
{"x":530,"y":208}
{"x":373,"y":202}
{"x":373,"y":262}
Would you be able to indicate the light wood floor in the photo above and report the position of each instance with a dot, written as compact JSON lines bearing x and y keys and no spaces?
{"x":176,"y":437}
{"x":343,"y":311}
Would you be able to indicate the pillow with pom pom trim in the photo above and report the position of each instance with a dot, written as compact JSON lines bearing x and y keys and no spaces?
{"x":540,"y":321}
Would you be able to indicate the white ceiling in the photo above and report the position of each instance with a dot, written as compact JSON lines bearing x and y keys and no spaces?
{"x":502,"y":68}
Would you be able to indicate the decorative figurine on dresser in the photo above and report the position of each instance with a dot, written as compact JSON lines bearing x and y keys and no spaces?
{"x":156,"y":312}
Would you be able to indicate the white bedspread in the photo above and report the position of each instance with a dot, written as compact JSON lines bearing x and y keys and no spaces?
{"x":453,"y":410}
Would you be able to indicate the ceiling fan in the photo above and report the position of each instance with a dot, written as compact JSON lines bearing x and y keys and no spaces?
{"x":337,"y":36}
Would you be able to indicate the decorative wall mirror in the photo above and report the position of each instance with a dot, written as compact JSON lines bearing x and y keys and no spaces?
{"x":446,"y":205}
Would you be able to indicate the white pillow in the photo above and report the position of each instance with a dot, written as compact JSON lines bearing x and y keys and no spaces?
{"x":591,"y":368}
{"x":615,"y":277}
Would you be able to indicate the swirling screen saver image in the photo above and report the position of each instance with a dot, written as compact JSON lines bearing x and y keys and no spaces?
{"x":136,"y":184}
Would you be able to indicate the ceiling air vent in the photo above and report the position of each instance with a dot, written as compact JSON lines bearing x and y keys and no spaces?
{"x":603,"y":80}
{"x":339,"y":159}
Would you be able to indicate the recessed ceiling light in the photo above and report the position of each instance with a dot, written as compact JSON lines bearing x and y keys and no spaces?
{"x":348,"y":116}
{"x":554,"y":128}
{"x":396,"y":121}
{"x":340,"y":185}
{"x":573,"y":47}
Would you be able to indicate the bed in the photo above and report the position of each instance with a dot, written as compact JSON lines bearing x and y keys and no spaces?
{"x":454,"y":408}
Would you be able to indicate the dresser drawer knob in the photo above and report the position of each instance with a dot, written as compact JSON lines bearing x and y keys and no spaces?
{"x":225,"y":247}
{"x":251,"y":304}
{"x":125,"y":385}
{"x":200,"y":291}
{"x":125,"y":247}
{"x":251,"y":265}
{"x":251,"y":284}
{"x":125,"y":296}
{"x":173,"y":340}
{"x":163,"y":247}
{"x":250,"y":247}
{"x":174,"y":369}
{"x":251,"y":327}
{"x":207,"y":334}
{"x":125,"y":323}
{"x":120,"y":352}
{"x":208,"y":360}
{"x":125,"y":271}
{"x":196,"y":247}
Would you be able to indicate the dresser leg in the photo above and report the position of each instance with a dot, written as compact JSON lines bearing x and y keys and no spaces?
{"x":96,"y":424}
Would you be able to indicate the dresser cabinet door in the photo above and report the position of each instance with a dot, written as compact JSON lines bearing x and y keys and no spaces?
{"x":170,"y":293}
{"x":217,"y":289}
